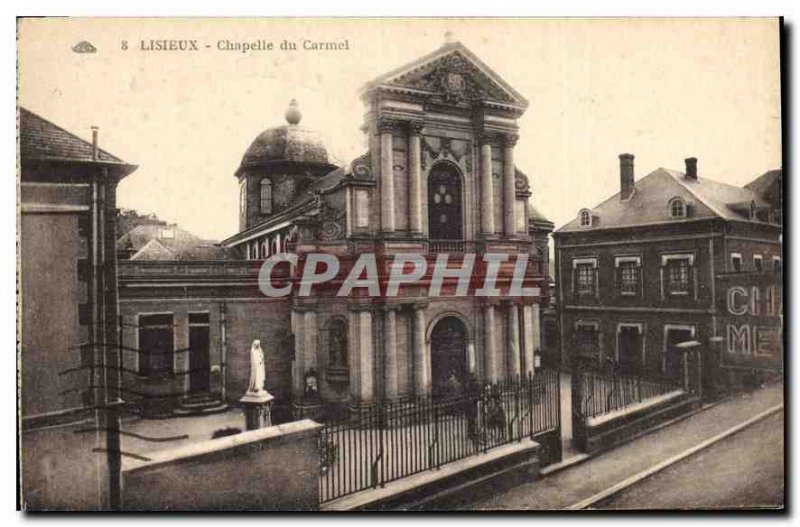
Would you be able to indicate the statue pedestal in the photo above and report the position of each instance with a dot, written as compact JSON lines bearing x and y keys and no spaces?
{"x":308,"y":409}
{"x":257,"y":409}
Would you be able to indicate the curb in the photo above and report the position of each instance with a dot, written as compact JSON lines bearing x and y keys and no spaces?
{"x":581,"y":458}
{"x":622,"y":485}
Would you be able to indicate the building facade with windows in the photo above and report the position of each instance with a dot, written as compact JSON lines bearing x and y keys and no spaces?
{"x":67,"y":271}
{"x":652,"y":267}
{"x":438,"y":178}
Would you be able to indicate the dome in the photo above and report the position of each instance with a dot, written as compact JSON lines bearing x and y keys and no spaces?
{"x":289,"y":142}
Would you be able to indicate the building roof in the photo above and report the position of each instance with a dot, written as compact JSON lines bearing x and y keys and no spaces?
{"x":40,"y":139}
{"x":433,"y":73}
{"x":168,"y":242}
{"x":769,"y":186}
{"x":648,"y":205}
{"x":535,"y":215}
{"x":289,"y":142}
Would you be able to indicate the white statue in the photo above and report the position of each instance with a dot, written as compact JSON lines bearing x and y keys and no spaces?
{"x":257,"y":371}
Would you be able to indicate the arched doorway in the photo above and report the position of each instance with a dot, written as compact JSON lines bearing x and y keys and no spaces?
{"x":445,"y":201}
{"x":448,"y":357}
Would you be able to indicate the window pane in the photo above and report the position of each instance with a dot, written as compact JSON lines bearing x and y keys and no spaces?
{"x":678,"y":276}
{"x":629,"y":277}
{"x":586,"y":340}
{"x":586,"y":281}
{"x":266,"y":196}
{"x":156,"y":344}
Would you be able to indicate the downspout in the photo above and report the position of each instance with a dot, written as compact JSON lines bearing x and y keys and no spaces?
{"x":223,"y":352}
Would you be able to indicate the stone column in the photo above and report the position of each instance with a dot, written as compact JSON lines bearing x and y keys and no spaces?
{"x":390,"y":351}
{"x":366,"y":387}
{"x":310,"y":347}
{"x":513,"y":340}
{"x":298,"y":319}
{"x":421,"y":356}
{"x":387,"y":177}
{"x":415,"y":178}
{"x":530,"y":337}
{"x":487,"y":192}
{"x":489,"y":347}
{"x":509,"y":188}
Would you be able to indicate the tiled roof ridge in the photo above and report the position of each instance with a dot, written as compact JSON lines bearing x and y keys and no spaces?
{"x":22,"y":110}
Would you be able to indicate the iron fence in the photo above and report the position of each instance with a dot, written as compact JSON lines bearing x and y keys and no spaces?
{"x":380,"y":443}
{"x":602,"y":393}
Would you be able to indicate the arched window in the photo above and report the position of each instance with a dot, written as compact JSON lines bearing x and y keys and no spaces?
{"x":266,"y":196}
{"x":677,"y":208}
{"x":243,"y":197}
{"x":337,"y":344}
{"x":585,"y":218}
{"x":264,"y":250}
{"x":445,"y":217}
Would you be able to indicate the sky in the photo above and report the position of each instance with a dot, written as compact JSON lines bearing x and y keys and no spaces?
{"x":661,"y":89}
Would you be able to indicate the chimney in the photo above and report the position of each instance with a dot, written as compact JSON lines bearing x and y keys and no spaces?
{"x":95,"y":149}
{"x":625,"y":176}
{"x":691,"y":168}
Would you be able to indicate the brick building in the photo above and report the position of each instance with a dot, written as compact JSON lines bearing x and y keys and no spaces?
{"x":438,"y":177}
{"x":653,"y":266}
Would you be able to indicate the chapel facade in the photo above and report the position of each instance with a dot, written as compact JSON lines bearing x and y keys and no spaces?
{"x":438,"y":178}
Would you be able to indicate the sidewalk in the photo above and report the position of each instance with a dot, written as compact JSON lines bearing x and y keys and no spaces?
{"x":566,"y":487}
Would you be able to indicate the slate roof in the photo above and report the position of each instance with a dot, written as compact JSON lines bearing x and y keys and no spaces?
{"x":648,"y":205}
{"x":40,"y":139}
{"x":286,"y":143}
{"x":769,"y":186}
{"x":147,"y":242}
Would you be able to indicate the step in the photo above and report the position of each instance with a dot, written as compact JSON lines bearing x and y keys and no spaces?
{"x":197,"y":411}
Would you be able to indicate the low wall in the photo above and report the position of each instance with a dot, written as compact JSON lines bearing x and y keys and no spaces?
{"x":274,"y":468}
{"x":625,"y":426}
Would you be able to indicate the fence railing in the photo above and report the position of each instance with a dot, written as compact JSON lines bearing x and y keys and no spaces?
{"x":602,"y":393}
{"x":387,"y":441}
{"x":448,"y":246}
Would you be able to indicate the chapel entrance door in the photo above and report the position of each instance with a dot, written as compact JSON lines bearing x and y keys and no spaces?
{"x":449,"y":358}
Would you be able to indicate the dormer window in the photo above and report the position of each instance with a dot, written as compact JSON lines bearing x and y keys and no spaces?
{"x":585,"y":218}
{"x":677,"y":208}
{"x":266,"y":196}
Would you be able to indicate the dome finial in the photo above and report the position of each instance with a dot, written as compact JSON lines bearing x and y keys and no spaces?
{"x":293,"y":114}
{"x":449,"y":37}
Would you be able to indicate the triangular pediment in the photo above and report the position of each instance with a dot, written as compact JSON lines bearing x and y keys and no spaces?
{"x":456,"y":75}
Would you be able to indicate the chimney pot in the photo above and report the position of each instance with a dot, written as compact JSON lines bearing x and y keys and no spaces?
{"x":691,"y":168}
{"x":95,"y":148}
{"x":625,"y":176}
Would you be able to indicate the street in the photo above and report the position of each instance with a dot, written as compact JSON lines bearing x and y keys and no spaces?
{"x":745,"y":469}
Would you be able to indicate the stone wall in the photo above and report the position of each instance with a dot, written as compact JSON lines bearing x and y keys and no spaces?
{"x":274,"y":468}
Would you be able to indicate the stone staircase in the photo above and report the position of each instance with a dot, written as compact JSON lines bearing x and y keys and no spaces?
{"x":200,"y":404}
